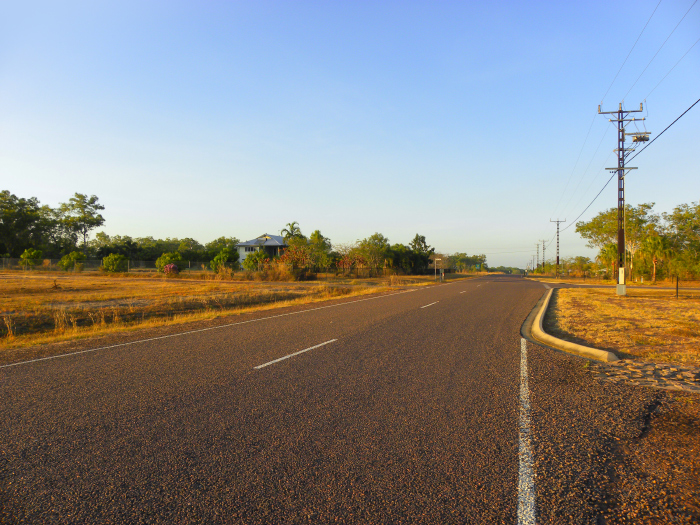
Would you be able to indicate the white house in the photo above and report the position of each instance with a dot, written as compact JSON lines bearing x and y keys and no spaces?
{"x":274,"y":245}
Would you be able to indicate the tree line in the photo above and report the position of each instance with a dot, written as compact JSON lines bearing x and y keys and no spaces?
{"x":659,"y":246}
{"x":33,"y":231}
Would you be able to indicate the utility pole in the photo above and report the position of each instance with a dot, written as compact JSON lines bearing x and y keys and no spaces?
{"x":622,"y":153}
{"x":538,"y":255}
{"x":557,"y":221}
{"x":543,"y":257}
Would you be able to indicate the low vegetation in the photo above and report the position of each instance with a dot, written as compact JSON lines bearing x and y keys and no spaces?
{"x":44,"y":308}
{"x":647,"y":324}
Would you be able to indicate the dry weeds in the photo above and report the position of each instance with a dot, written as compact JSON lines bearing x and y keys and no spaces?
{"x":651,"y":325}
{"x":40,"y":309}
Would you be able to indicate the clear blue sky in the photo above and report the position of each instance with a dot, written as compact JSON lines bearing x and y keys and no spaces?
{"x":460,"y":121}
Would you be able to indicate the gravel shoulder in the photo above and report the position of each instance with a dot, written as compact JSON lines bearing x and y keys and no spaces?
{"x":651,"y":473}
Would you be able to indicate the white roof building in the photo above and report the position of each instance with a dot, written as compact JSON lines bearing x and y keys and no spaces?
{"x":274,"y":245}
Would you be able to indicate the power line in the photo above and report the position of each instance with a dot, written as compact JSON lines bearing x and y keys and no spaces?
{"x":594,"y":199}
{"x":657,"y":52}
{"x":628,"y":54}
{"x":594,"y":116}
{"x":576,"y":163}
{"x":669,"y":72}
{"x":587,"y":168}
{"x":614,"y":173}
{"x":671,"y":124}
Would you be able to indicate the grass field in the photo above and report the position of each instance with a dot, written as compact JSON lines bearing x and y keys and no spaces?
{"x":649,"y":324}
{"x":45,"y":308}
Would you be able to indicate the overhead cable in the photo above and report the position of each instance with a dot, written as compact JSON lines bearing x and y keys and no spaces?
{"x":595,"y":115}
{"x":669,"y":72}
{"x":615,"y":172}
{"x":575,"y":164}
{"x":628,"y":54}
{"x":671,"y":124}
{"x":657,"y":52}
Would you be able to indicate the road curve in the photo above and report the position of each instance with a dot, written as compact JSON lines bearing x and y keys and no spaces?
{"x":406,"y":408}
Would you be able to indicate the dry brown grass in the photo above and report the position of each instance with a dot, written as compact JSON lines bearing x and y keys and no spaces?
{"x":38,"y":308}
{"x":648,"y":324}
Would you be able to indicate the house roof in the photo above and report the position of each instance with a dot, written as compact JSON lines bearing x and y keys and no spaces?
{"x":264,"y":240}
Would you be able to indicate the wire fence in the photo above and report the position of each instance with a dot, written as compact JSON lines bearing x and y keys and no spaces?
{"x":93,"y":265}
{"x":199,"y":267}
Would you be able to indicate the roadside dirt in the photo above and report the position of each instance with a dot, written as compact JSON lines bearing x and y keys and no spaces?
{"x":658,"y":481}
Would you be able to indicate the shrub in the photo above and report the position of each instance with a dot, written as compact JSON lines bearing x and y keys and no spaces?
{"x":171,"y":269}
{"x":30,"y":257}
{"x":256,"y":260}
{"x":225,"y":259}
{"x":72,"y":261}
{"x":115,"y":262}
{"x":168,"y":258}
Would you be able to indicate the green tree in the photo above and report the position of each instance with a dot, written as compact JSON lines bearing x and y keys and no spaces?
{"x":190,"y":249}
{"x":657,"y":248}
{"x":72,"y":261}
{"x":114,"y":263}
{"x":30,"y":257}
{"x":24,"y":223}
{"x":214,"y":247}
{"x":683,"y":231}
{"x":319,"y":250}
{"x":81,"y":215}
{"x":421,"y":254}
{"x":375,"y":250}
{"x":608,"y":257}
{"x":256,"y":260}
{"x":291,"y":231}
{"x":226,"y":258}
{"x":602,"y":229}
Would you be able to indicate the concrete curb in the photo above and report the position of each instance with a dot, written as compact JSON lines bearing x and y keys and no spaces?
{"x":540,"y":335}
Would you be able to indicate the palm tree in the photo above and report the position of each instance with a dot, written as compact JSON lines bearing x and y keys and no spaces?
{"x":608,"y":256}
{"x":292,"y":230}
{"x":657,"y":248}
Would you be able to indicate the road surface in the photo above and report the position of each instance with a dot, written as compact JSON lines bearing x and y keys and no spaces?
{"x":423,"y":406}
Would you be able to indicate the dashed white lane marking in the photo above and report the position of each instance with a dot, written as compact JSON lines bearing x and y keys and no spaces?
{"x":463,"y":291}
{"x":179,"y":334}
{"x":546,"y":286}
{"x":431,"y":304}
{"x":292,"y":355}
{"x":527,"y":510}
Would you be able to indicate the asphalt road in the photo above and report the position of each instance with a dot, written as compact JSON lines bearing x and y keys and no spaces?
{"x":412,"y":412}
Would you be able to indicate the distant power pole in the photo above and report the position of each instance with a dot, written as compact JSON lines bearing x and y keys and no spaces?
{"x":557,"y":221}
{"x":622,"y":153}
{"x":543,"y":257}
{"x":538,"y":255}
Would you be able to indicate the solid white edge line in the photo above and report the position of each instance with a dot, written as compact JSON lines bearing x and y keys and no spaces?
{"x":527,"y":510}
{"x":431,"y":304}
{"x":292,"y":355}
{"x":201,"y":330}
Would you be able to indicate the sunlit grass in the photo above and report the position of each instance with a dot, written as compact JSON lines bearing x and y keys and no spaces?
{"x":649,"y":324}
{"x":48,"y":308}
